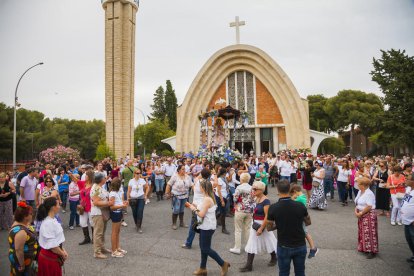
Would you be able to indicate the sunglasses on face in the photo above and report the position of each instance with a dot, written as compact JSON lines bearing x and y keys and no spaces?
{"x":49,"y":181}
{"x":255,"y":189}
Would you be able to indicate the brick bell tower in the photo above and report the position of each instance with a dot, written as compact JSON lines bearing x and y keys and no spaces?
{"x":120,"y":74}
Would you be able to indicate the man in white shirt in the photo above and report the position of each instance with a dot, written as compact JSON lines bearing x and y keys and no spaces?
{"x":170,"y":169}
{"x":407,"y":216}
{"x":284,"y":168}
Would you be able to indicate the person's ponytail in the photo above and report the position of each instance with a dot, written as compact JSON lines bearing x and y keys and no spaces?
{"x":45,"y":207}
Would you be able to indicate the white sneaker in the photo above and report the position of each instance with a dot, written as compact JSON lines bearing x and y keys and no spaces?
{"x":124,"y":224}
{"x":63,"y":211}
{"x":235,"y":251}
{"x":392,"y":222}
{"x":147,"y":201}
{"x":399,"y":223}
{"x":71,"y":227}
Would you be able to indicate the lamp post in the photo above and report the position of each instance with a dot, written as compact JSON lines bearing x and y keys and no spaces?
{"x":14,"y":119}
{"x":143,"y":115}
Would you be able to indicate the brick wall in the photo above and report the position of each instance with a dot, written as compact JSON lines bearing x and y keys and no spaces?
{"x":267,"y":110}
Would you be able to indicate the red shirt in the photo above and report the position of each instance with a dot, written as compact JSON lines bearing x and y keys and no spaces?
{"x":399,"y":182}
{"x":85,"y":196}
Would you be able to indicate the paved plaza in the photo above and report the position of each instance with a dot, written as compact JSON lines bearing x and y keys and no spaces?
{"x":158,"y":251}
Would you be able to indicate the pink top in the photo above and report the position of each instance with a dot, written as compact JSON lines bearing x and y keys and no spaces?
{"x":352,"y":177}
{"x":85,"y":198}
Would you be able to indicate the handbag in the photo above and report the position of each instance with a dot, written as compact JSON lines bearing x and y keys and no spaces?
{"x":256,"y":225}
{"x":105,"y":213}
{"x":80,"y":209}
{"x":315,"y":184}
{"x":196,"y":223}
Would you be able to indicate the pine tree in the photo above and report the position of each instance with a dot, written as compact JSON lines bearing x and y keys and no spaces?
{"x":171,"y":106}
{"x":158,"y":108}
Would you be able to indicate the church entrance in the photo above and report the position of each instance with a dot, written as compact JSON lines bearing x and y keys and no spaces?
{"x":266,"y":140}
{"x":244,"y":147}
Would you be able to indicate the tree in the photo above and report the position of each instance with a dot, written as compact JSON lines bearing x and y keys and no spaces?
{"x":158,"y":107}
{"x":151,"y":134}
{"x":318,"y":118}
{"x":332,"y":146}
{"x":394,"y":73}
{"x":103,"y":151}
{"x":171,"y":106}
{"x":350,"y":108}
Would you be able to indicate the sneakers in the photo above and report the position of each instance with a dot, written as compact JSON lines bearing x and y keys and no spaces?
{"x":147,"y":201}
{"x":393,"y":223}
{"x":399,"y":223}
{"x":313,"y":252}
{"x":123,"y":223}
{"x":185,"y":246}
{"x":63,"y":211}
{"x":100,"y":256}
{"x":235,"y":251}
{"x":71,"y":227}
{"x":117,"y":254}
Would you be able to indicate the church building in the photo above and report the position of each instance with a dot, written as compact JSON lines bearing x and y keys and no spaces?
{"x":247,"y":79}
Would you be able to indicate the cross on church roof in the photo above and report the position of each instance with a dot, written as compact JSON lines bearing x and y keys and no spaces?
{"x":237,"y":24}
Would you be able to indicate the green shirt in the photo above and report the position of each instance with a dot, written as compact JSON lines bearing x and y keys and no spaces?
{"x":301,"y":199}
{"x":127,"y":174}
{"x":262,"y":176}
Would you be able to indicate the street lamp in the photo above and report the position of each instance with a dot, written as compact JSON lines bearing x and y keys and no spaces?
{"x":143,"y":115}
{"x":14,"y":119}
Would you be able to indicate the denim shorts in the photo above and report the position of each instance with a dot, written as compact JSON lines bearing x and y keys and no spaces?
{"x":116,"y":216}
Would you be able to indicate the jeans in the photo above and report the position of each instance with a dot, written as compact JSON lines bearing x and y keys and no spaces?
{"x":159,"y":185}
{"x":282,"y":177}
{"x":342,"y":192}
{"x":409,"y":236}
{"x":191,"y":234}
{"x":286,"y":254}
{"x":205,"y":248}
{"x":328,"y":187}
{"x":355,"y":191}
{"x":221,"y":209}
{"x":178,"y":205}
{"x":350,"y":191}
{"x":230,"y":203}
{"x":396,"y":208}
{"x":73,"y":214}
{"x":137,"y":209}
{"x":64,"y":197}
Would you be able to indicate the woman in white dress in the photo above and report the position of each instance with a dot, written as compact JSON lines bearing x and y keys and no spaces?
{"x":318,"y":200}
{"x":260,"y":239}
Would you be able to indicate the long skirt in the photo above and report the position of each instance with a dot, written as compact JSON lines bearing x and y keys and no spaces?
{"x":6,"y":214}
{"x":317,"y":199}
{"x":266,"y":242}
{"x":48,"y":264}
{"x":368,"y":233}
{"x":382,"y":199}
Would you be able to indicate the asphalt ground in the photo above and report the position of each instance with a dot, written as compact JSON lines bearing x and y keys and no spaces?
{"x":158,"y":250}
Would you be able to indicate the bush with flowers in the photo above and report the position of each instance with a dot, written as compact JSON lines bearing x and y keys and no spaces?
{"x":58,"y":154}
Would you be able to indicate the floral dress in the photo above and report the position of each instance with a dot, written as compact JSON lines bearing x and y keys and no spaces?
{"x":30,"y":249}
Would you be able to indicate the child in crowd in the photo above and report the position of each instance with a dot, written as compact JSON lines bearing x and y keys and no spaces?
{"x":74,"y":200}
{"x":115,"y":197}
{"x":297,"y":195}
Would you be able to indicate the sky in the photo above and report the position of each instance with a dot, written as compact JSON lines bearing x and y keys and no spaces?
{"x":324,"y":46}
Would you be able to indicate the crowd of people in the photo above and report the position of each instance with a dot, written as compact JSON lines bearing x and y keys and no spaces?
{"x":32,"y":203}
